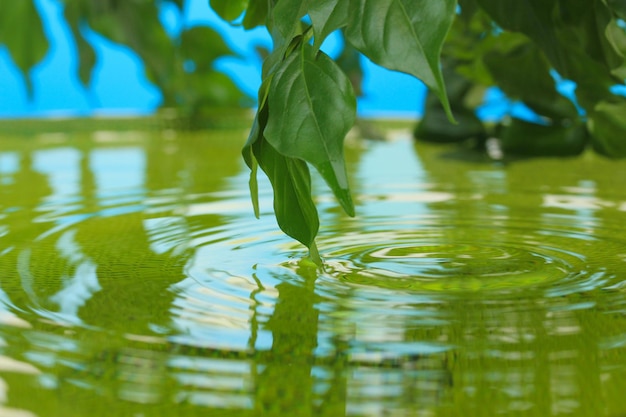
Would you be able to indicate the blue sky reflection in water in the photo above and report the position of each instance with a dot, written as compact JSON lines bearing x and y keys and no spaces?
{"x":133,"y":281}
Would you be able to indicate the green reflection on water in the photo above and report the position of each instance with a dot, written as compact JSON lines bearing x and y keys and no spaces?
{"x":134,"y":280}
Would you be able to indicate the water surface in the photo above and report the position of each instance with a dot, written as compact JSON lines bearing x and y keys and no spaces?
{"x":135,"y":281}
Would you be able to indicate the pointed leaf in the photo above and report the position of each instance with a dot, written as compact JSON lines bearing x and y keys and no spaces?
{"x":75,"y":14}
{"x":293,"y":205}
{"x":312,"y":107}
{"x":21,"y":30}
{"x":404,"y":35}
{"x":326,"y":17}
{"x":286,"y":17}
{"x":256,"y":134}
{"x":86,"y":59}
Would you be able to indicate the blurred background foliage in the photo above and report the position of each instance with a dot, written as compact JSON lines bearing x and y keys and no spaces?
{"x":526,"y":49}
{"x":180,"y":66}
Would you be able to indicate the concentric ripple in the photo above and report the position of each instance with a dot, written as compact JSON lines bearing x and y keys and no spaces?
{"x":471,"y":257}
{"x":135,"y":275}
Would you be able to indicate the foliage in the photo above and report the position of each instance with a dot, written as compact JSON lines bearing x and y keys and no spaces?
{"x":26,"y":41}
{"x":522,"y":47}
{"x":306,"y":103}
{"x":180,"y":66}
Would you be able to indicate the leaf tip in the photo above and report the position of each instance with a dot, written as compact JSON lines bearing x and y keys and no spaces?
{"x":446,"y":106}
{"x":314,"y":255}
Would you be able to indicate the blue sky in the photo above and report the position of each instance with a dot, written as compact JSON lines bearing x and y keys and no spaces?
{"x":120,"y":87}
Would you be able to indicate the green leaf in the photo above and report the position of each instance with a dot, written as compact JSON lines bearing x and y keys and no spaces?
{"x":350,"y":62}
{"x":286,"y":17}
{"x":592,"y":34}
{"x":291,"y":181}
{"x":616,"y":36}
{"x":22,"y":32}
{"x":592,"y":76}
{"x":404,"y":35}
{"x":607,"y":124}
{"x":326,"y":17}
{"x":253,"y":184}
{"x":534,"y":18}
{"x":212,"y":89}
{"x":74,"y":14}
{"x":312,"y":108}
{"x":524,"y":74}
{"x":256,"y":14}
{"x":203,"y":46}
{"x":256,"y":134}
{"x":86,"y":59}
{"x":228,"y":9}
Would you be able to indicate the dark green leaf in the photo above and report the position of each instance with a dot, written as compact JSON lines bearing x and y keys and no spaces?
{"x":607,"y":124}
{"x":523,"y":74}
{"x":616,"y":36}
{"x":286,"y":17}
{"x":203,"y":46}
{"x":22,"y":32}
{"x":74,"y":14}
{"x":256,"y":134}
{"x":404,"y":35}
{"x":534,"y":18}
{"x":291,"y":181}
{"x":312,"y":108}
{"x":326,"y":17}
{"x":470,"y":37}
{"x":592,"y":76}
{"x":212,"y":89}
{"x":350,"y":62}
{"x":228,"y":9}
{"x":601,"y":47}
{"x":86,"y":59}
{"x":256,"y":14}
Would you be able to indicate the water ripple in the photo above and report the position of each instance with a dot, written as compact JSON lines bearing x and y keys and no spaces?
{"x":454,"y":279}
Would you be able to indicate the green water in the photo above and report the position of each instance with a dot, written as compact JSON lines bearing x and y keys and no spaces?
{"x":135,"y":281}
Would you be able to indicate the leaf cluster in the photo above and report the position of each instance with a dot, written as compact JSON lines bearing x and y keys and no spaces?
{"x":181,"y":66}
{"x":307,"y":103}
{"x":524,"y":48}
{"x":21,"y":31}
